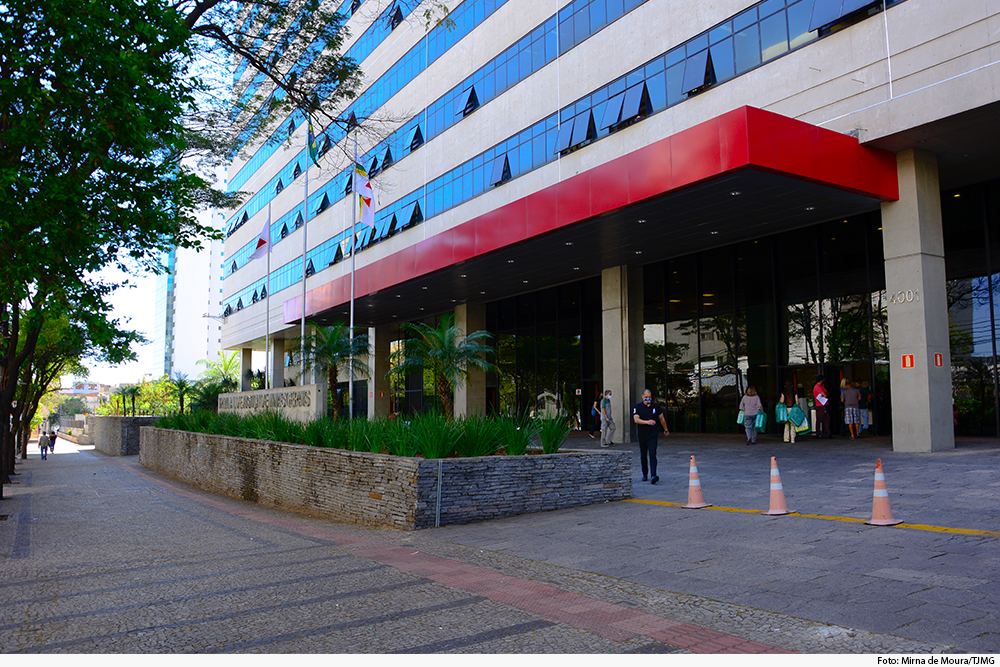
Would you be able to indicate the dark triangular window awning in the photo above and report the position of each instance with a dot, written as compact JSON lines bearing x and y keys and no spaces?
{"x":297,"y":172}
{"x":565,"y":137}
{"x":284,"y":230}
{"x":239,"y":304}
{"x":228,"y":311}
{"x":467,"y":102}
{"x":352,"y":121}
{"x":326,"y":146}
{"x":263,"y":291}
{"x":309,"y":268}
{"x":418,"y":139}
{"x":697,"y":72}
{"x":298,"y":220}
{"x":416,"y":216}
{"x":325,"y":204}
{"x":291,"y":127}
{"x":613,"y":111}
{"x":355,"y":5}
{"x":255,"y":298}
{"x":387,"y":159}
{"x":826,"y":12}
{"x":233,"y":268}
{"x":350,"y":183}
{"x":501,"y":170}
{"x":636,"y":102}
{"x":279,"y":187}
{"x":373,"y":167}
{"x":395,"y":18}
{"x":338,"y":255}
{"x":244,"y":218}
{"x":583,"y":129}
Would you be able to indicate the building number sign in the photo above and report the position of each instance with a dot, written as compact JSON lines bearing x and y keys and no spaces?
{"x":904,"y":296}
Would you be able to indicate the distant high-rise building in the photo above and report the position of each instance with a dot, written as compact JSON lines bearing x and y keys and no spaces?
{"x":188,"y":296}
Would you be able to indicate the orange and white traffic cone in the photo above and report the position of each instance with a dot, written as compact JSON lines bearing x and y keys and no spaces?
{"x":695,"y":499}
{"x":881,"y":512}
{"x":778,"y":504}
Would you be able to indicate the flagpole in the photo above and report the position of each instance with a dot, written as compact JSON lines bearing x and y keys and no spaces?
{"x":354,"y":240}
{"x":267,"y":312}
{"x":305,"y":224}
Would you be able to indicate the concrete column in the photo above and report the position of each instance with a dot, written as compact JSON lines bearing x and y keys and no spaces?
{"x":470,"y":398}
{"x":624,"y":356}
{"x":378,"y":365}
{"x":277,"y":363}
{"x":917,"y":309}
{"x":246,"y":364}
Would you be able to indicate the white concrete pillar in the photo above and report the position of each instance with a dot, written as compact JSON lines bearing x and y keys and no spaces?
{"x":379,"y":338}
{"x":624,"y":357}
{"x":277,"y":363}
{"x":470,"y":398}
{"x":919,"y":352}
{"x":246,"y":364}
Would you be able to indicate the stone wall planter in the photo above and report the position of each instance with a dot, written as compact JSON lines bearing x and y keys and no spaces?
{"x":116,"y":436}
{"x":384,"y":490}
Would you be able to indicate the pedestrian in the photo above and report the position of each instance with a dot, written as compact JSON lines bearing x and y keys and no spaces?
{"x":822,"y":415}
{"x":863,"y":404}
{"x":851,"y":396}
{"x":790,"y":398}
{"x":43,"y":445}
{"x":52,"y":441}
{"x":646,"y":414}
{"x":750,"y":405}
{"x":607,"y":421}
{"x":595,"y":413}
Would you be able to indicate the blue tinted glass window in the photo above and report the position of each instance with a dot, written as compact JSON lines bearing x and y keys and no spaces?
{"x":598,"y":16}
{"x":723,"y":61}
{"x":566,"y":36}
{"x":656,"y":85}
{"x":773,"y":36}
{"x":745,"y":20}
{"x":581,"y":24}
{"x":696,"y":44}
{"x":675,"y":81}
{"x":720,"y":32}
{"x":798,"y":24}
{"x":747,"y":42}
{"x":616,"y":9}
{"x":694,"y":71}
{"x":769,"y":7}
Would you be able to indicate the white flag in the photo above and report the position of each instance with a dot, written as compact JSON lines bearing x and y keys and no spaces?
{"x":366,"y":196}
{"x":263,"y":241}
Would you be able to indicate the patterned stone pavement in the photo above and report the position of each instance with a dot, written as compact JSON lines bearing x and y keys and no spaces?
{"x":98,"y":555}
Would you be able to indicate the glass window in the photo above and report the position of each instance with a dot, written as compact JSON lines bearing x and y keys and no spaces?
{"x":769,"y":7}
{"x":798,"y":25}
{"x":747,"y":49}
{"x":723,"y":60}
{"x":773,"y":36}
{"x":616,"y":9}
{"x":681,"y":346}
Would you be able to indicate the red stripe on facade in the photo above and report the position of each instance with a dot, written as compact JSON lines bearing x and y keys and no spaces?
{"x":745,"y":138}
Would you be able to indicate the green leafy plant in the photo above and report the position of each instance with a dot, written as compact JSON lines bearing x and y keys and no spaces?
{"x":552,"y":431}
{"x":434,"y":436}
{"x":326,"y":433}
{"x":480,"y":436}
{"x":516,"y":432}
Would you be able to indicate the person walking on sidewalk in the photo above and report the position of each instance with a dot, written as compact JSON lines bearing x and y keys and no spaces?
{"x":607,"y":422}
{"x":750,"y":405}
{"x":595,"y":413}
{"x":851,"y":396}
{"x":790,"y":398}
{"x":43,"y":445}
{"x":646,"y":414}
{"x":822,"y":402}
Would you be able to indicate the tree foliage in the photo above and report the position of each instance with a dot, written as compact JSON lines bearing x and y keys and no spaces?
{"x":329,"y":348}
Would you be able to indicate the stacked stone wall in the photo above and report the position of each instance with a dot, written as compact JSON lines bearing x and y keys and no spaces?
{"x":384,"y":490}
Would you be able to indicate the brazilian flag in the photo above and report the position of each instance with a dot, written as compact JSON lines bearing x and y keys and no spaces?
{"x":313,"y":146}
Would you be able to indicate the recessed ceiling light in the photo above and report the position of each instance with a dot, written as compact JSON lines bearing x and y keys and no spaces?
{"x":957,"y":194}
{"x":576,"y":268}
{"x":810,"y":208}
{"x":641,"y":220}
{"x":462,"y":276}
{"x":510,"y":261}
{"x":525,"y":282}
{"x":399,"y":296}
{"x":638,"y":252}
{"x":735,"y":193}
{"x":713,"y":234}
{"x":482,"y":292}
{"x":424,"y":287}
{"x":569,"y":243}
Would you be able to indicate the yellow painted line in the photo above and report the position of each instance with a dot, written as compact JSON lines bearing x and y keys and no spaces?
{"x":846,"y":519}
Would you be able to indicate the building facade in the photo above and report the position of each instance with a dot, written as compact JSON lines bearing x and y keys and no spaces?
{"x":686,"y":197}
{"x":183,"y":336}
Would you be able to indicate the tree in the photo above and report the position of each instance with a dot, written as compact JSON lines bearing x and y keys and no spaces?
{"x":326,"y":350}
{"x":445,"y":353}
{"x":72,"y":406}
{"x":182,"y":388}
{"x":131,"y":393}
{"x":225,"y":371}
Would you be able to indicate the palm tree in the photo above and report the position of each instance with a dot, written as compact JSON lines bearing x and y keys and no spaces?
{"x":443,"y":352}
{"x":326,"y":350}
{"x":182,"y":388}
{"x":225,"y":371}
{"x":131,"y":392}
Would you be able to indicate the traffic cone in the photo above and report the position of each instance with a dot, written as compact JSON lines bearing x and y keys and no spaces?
{"x":695,"y":499}
{"x":881,"y":512}
{"x":778,"y":505}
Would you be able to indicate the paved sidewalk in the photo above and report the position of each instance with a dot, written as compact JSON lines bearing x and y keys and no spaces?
{"x":98,"y":555}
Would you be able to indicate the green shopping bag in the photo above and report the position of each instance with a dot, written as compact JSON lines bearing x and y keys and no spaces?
{"x":781,"y":413}
{"x":761,"y":422}
{"x":740,"y":418}
{"x":796,"y":416}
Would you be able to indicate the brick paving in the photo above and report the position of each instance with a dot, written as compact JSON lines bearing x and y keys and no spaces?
{"x":98,"y":555}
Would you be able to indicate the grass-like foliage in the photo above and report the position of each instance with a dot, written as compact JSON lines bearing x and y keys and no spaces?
{"x":552,"y":432}
{"x":516,"y":432}
{"x":432,"y":436}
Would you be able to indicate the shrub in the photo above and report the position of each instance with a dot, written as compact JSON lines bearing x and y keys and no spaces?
{"x":552,"y":432}
{"x":516,"y":432}
{"x":273,"y":426}
{"x":326,"y":433}
{"x":434,"y":436}
{"x":397,"y":437}
{"x":480,"y":436}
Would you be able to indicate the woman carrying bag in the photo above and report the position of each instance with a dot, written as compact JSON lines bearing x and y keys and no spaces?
{"x":750,"y":405}
{"x":789,"y":399}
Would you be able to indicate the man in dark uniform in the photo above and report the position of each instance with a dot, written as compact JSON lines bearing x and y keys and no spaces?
{"x":646,"y":414}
